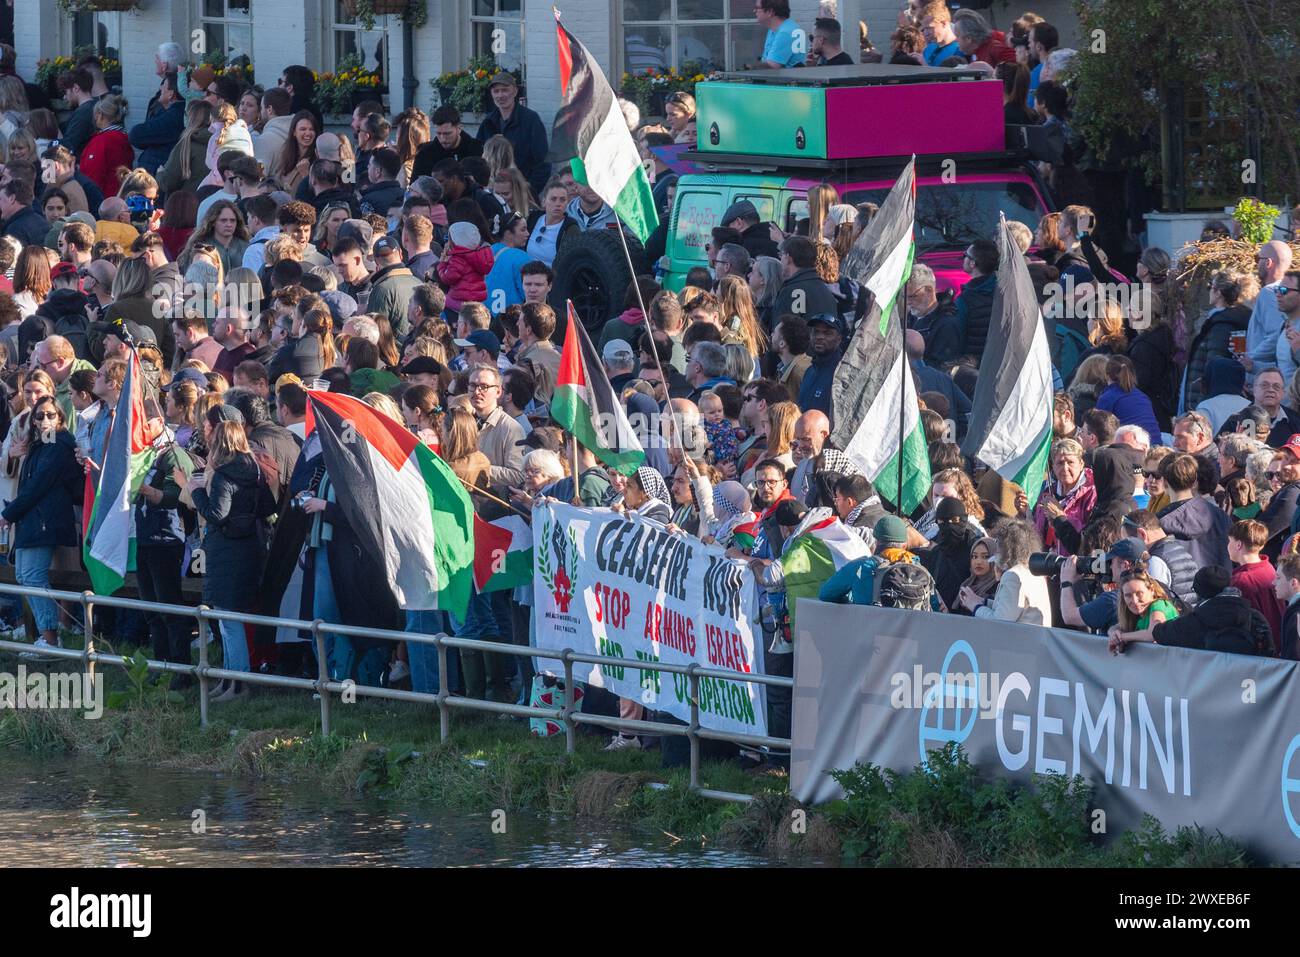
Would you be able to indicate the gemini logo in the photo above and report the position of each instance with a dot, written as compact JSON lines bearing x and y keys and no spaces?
{"x":1290,"y":785}
{"x":949,"y":695}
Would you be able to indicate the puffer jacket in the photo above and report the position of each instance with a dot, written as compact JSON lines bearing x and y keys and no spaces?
{"x":975,"y":312}
{"x":49,"y":484}
{"x":1225,"y":622}
{"x":464,"y":273}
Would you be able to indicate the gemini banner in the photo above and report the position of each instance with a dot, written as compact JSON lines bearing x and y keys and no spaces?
{"x":1190,"y":737}
{"x":609,"y":584}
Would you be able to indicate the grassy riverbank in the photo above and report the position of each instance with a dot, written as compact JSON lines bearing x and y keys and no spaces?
{"x":949,"y":817}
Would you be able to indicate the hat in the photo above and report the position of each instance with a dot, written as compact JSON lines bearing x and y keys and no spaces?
{"x":1211,"y":580}
{"x":789,"y":512}
{"x":83,"y":217}
{"x":722,"y":235}
{"x":830,"y":319}
{"x":842,"y":213}
{"x":422,"y":364}
{"x":342,"y":306}
{"x":328,"y":147}
{"x":62,"y":269}
{"x":950,"y":508}
{"x":360,"y":230}
{"x":481,"y":339}
{"x":384,"y":246}
{"x":544,"y":438}
{"x":1130,"y":549}
{"x":504,"y":78}
{"x":616,"y":348}
{"x":117,"y":327}
{"x":1292,"y":445}
{"x":189,"y":375}
{"x":890,"y":530}
{"x":227,"y":413}
{"x":741,"y":210}
{"x":466,"y":235}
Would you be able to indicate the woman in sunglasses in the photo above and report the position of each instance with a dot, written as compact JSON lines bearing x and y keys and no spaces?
{"x":48,"y":486}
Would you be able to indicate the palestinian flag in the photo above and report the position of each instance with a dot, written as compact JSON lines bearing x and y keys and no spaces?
{"x":503,"y":553}
{"x":108,"y":547}
{"x":404,"y":503}
{"x":591,"y":134}
{"x":1011,"y":411}
{"x":873,"y":395}
{"x":881,"y":258}
{"x":819,"y":547}
{"x":585,"y":404}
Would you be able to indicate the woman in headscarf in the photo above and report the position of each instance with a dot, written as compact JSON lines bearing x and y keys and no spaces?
{"x":646,"y":494}
{"x":729,"y":511}
{"x":983,"y":580}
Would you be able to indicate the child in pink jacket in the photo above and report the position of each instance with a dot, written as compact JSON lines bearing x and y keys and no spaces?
{"x":464,"y":267}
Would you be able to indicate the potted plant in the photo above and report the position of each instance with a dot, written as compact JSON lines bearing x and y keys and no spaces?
{"x":467,"y":89}
{"x":339,"y":92}
{"x":413,"y":12}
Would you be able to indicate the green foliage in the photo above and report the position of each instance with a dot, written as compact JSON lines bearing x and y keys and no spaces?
{"x":413,"y":12}
{"x":947,"y":815}
{"x":1256,"y":219}
{"x":1236,"y":72}
{"x":467,"y":89}
{"x":333,"y":92}
{"x":142,"y":692}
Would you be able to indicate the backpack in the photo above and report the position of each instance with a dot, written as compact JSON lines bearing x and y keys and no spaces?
{"x":903,"y":585}
{"x":1073,"y":345}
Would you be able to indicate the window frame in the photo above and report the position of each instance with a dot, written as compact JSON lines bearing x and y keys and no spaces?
{"x":473,"y":20}
{"x":331,"y":26}
{"x":674,"y":23}
{"x":202,"y":20}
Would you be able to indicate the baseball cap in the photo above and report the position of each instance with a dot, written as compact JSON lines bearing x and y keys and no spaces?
{"x":1130,"y":549}
{"x":189,"y":375}
{"x":62,"y":269}
{"x":384,"y":246}
{"x":543,"y":438}
{"x":140,"y":332}
{"x":504,"y":78}
{"x":1292,"y":445}
{"x":83,"y":217}
{"x":829,"y":319}
{"x":422,"y":364}
{"x":481,"y":339}
{"x":360,"y":230}
{"x":890,"y":530}
{"x":225,"y":413}
{"x":616,"y":348}
{"x":743,"y":209}
{"x":342,"y":306}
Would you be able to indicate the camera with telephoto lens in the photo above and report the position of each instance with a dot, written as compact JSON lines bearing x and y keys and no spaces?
{"x":1048,"y":565}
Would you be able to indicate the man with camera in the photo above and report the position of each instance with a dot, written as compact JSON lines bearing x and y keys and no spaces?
{"x":1098,"y":613}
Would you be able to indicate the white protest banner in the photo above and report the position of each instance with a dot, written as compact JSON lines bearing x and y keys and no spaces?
{"x":622,"y":586}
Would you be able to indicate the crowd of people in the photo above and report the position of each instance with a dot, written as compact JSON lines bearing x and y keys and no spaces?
{"x":247,"y":256}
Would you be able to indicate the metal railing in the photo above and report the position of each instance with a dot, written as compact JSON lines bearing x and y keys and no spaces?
{"x":446,"y":702}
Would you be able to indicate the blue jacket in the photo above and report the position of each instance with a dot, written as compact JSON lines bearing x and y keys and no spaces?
{"x":527,"y":135}
{"x":49,"y":485}
{"x":856,"y":581}
{"x":815,"y":389}
{"x":157,"y":135}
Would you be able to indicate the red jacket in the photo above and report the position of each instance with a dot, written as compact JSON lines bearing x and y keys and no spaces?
{"x":107,"y":150}
{"x":1255,"y":582}
{"x":463,"y":273}
{"x":995,"y":50}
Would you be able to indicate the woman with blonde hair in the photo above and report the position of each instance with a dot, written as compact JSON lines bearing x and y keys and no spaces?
{"x":679,"y":110}
{"x":820,"y":200}
{"x":1106,"y":331}
{"x":840,"y":228}
{"x":739,"y":316}
{"x":1087,"y":384}
{"x":510,"y":186}
{"x":229,"y":132}
{"x":222,"y":230}
{"x":22,"y":147}
{"x":226,"y":497}
{"x":780,"y":432}
{"x":187,"y":166}
{"x":499,"y":154}
{"x":109,"y":149}
{"x":138,"y":180}
{"x":412,"y":133}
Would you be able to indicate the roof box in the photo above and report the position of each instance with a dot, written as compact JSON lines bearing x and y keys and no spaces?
{"x":850,"y":112}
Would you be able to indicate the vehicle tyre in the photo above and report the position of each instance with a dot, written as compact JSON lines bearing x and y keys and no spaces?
{"x":590,"y":270}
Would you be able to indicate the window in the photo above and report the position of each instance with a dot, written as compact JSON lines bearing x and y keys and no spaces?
{"x":227,"y":27}
{"x":706,"y":34}
{"x":488,"y":16}
{"x":349,"y":38}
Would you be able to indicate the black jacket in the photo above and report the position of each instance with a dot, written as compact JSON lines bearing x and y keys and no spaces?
{"x":27,"y":226}
{"x":527,"y":134}
{"x":49,"y":484}
{"x":430,"y":154}
{"x":1202,"y":525}
{"x":941,"y":330}
{"x":1278,"y":517}
{"x":975,"y":313}
{"x":1152,"y":353}
{"x":1222,"y":623}
{"x":1291,"y":631}
{"x":232,"y":548}
{"x":341,"y":194}
{"x":949,"y":560}
{"x":65,"y":309}
{"x":817,"y":298}
{"x":757,"y":240}
{"x":380,"y":197}
{"x":1213,"y":340}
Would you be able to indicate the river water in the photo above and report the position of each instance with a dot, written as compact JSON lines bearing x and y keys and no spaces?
{"x":80,"y":812}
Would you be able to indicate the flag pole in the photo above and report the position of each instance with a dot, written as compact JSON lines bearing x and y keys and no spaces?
{"x":902,"y":407}
{"x":645,"y":319}
{"x":486,"y":494}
